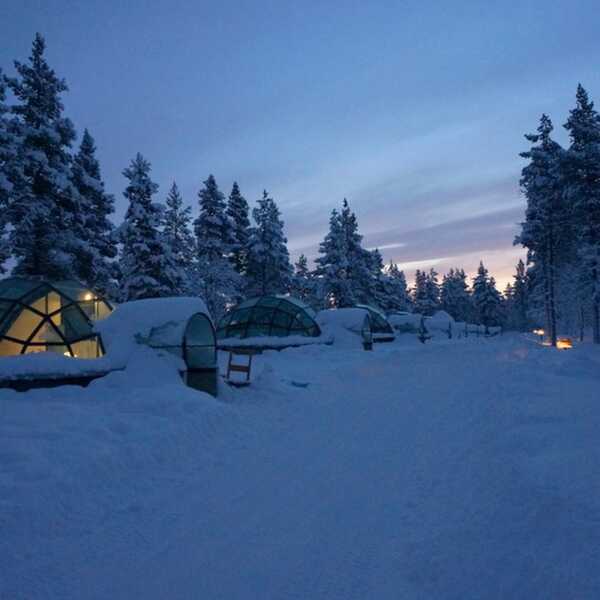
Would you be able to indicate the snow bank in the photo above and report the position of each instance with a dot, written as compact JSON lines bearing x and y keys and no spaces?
{"x":273,"y":341}
{"x":455,"y":469}
{"x":50,"y":365}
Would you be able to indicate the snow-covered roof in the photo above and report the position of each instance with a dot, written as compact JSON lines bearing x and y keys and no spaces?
{"x":345,"y":325}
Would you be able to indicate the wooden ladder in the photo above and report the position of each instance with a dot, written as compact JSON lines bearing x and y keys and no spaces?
{"x":233,"y":367}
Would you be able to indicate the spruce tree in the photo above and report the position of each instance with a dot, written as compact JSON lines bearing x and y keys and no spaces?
{"x":44,"y":210}
{"x":218,"y":283}
{"x":148,"y":269}
{"x":238,"y":213}
{"x":179,"y":238}
{"x":269,"y":270}
{"x":583,"y":188}
{"x":94,"y":264}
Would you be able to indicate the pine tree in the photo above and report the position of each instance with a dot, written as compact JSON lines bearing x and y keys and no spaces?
{"x":44,"y":211}
{"x":269,"y":270}
{"x":218,"y":281}
{"x":546,"y":231}
{"x":147,"y":266}
{"x":583,"y":189}
{"x":237,"y":211}
{"x":179,"y":238}
{"x":94,"y":264}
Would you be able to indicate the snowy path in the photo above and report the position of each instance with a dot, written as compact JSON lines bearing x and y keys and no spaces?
{"x":455,"y":470}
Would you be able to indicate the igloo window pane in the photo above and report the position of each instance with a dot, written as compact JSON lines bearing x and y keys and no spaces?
{"x":24,"y":325}
{"x":72,"y":323}
{"x":8,"y":348}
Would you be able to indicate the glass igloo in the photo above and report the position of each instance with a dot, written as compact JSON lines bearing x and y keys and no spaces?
{"x":380,"y":326}
{"x":269,"y":316}
{"x":49,"y":316}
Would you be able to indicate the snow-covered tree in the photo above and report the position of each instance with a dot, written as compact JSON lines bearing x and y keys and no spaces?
{"x":454,"y":295}
{"x":44,"y":204}
{"x":345,"y":267}
{"x":148,"y":269}
{"x":517,"y":300}
{"x":269,"y":270}
{"x":178,"y":237}
{"x":426,"y":292}
{"x":546,"y":231}
{"x":486,"y":298}
{"x":94,"y":264}
{"x":433,"y":289}
{"x":8,"y":169}
{"x":583,"y":189}
{"x":238,"y":213}
{"x":396,"y":292}
{"x":332,"y":266}
{"x":378,"y":292}
{"x":218,"y":283}
{"x":304,"y":283}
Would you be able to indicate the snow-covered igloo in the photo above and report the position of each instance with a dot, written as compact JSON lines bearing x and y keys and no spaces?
{"x":347,"y":326}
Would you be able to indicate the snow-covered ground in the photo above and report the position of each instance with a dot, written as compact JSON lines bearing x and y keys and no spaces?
{"x":458,"y":469}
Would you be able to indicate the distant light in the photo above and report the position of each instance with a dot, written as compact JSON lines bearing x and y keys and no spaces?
{"x":564,"y":343}
{"x":539,"y":332}
{"x":67,"y":354}
{"x":88,"y":296}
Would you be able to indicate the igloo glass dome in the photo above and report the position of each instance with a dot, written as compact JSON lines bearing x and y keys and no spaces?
{"x":49,"y":316}
{"x":269,"y":316}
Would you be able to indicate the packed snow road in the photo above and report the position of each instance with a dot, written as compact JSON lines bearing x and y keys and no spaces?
{"x":458,"y":469}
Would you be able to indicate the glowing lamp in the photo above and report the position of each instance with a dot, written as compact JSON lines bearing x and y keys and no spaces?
{"x":564,"y":343}
{"x":539,"y":332}
{"x":88,"y":296}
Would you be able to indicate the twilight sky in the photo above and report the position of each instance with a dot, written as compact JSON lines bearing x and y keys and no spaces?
{"x":414,"y":111}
